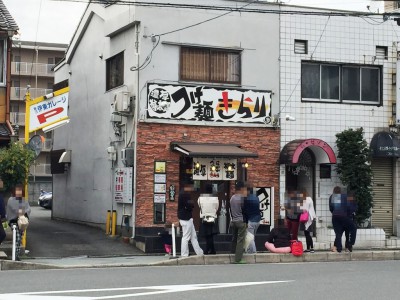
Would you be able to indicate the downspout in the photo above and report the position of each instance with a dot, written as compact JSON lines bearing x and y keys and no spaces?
{"x":8,"y":78}
{"x":135,"y":122}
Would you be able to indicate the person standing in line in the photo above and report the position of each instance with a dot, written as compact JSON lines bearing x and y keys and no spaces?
{"x":2,"y":218}
{"x":253,"y":217}
{"x":185,"y":209}
{"x":208,"y":204}
{"x":292,"y":207}
{"x":237,"y":222}
{"x":17,"y":207}
{"x":308,"y":206}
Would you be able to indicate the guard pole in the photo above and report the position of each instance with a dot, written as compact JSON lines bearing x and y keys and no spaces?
{"x":113,"y":222}
{"x":23,"y":240}
{"x":173,"y":241}
{"x":14,"y":241}
{"x":108,"y":222}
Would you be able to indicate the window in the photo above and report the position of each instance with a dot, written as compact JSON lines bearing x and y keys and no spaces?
{"x":381,"y":52}
{"x":210,"y":65}
{"x":115,"y":71}
{"x":3,"y":56}
{"x":300,"y":46}
{"x":325,"y":171}
{"x":340,"y":83}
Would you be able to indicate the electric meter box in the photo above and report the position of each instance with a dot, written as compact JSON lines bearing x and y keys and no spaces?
{"x":127,"y":155}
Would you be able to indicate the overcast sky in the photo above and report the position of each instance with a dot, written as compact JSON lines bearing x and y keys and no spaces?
{"x":55,"y":21}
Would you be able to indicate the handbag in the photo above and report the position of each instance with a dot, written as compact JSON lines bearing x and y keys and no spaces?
{"x":248,"y":239}
{"x":208,"y":219}
{"x":23,"y":223}
{"x":296,"y":248}
{"x":304,"y":217}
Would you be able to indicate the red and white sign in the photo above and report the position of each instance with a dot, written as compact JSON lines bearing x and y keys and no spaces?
{"x":44,"y":112}
{"x":123,"y":185}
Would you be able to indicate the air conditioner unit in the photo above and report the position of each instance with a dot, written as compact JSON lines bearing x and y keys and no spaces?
{"x":122,"y":103}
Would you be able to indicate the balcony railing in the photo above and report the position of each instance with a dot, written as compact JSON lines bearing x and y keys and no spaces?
{"x":17,"y":118}
{"x":18,"y":93}
{"x":40,"y":170}
{"x":47,"y":145}
{"x":32,"y":69}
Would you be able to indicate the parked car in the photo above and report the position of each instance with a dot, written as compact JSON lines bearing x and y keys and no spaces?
{"x":45,"y":199}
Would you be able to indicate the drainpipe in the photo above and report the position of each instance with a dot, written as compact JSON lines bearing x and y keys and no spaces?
{"x":8,"y":78}
{"x":135,"y":123}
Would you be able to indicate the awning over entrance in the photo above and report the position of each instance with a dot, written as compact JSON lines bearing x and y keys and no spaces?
{"x":290,"y":154}
{"x":385,"y":144}
{"x":211,"y":150}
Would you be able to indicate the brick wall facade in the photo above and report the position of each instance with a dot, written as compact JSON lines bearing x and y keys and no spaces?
{"x":153,"y":143}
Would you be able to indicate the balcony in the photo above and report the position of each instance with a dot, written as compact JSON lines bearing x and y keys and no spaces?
{"x":46,"y":146}
{"x":18,"y":93}
{"x":40,"y":170}
{"x":17,"y":118}
{"x":32,"y":69}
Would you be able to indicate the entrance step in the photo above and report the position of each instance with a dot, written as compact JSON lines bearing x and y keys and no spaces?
{"x":3,"y":255}
{"x":393,"y":243}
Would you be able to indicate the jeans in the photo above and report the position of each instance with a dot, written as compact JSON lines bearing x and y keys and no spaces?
{"x":293,"y":227}
{"x":2,"y":233}
{"x":252,"y":228}
{"x":189,"y":234}
{"x":340,"y":225}
{"x":238,"y":236}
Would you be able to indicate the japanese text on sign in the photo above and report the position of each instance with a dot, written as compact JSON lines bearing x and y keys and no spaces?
{"x":123,"y":185}
{"x":206,"y":104}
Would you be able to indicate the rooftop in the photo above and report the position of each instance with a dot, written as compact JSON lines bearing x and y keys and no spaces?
{"x":6,"y":20}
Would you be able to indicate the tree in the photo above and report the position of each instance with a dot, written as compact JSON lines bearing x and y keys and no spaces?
{"x":354,"y":169}
{"x":15,"y":161}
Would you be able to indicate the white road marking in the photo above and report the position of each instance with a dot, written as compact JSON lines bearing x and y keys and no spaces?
{"x":156,"y":290}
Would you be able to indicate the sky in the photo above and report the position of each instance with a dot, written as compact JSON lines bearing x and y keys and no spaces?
{"x":55,"y":22}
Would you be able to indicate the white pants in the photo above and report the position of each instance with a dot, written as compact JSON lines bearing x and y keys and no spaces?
{"x":189,"y":234}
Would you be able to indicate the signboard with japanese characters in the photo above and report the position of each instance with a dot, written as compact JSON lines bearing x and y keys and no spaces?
{"x":123,"y":185}
{"x":208,"y":104}
{"x":266,"y":198}
{"x":214,"y":169}
{"x":44,"y":111}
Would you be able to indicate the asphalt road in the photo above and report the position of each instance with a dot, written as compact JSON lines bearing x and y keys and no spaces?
{"x":345,"y":280}
{"x":55,"y":239}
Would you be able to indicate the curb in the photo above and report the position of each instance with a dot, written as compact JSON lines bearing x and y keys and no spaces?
{"x":220,"y":259}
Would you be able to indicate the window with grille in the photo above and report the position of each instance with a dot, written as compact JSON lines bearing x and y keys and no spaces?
{"x":115,"y":71}
{"x":300,"y":47}
{"x":381,"y":52}
{"x":3,"y":60}
{"x":210,"y":65}
{"x":341,"y":83}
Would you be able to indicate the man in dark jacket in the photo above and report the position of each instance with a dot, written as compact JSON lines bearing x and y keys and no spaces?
{"x":185,"y":208}
{"x":2,"y":217}
{"x":253,"y":216}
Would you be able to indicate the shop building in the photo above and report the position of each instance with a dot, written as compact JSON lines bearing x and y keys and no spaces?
{"x":160,"y":107}
{"x":339,"y":72}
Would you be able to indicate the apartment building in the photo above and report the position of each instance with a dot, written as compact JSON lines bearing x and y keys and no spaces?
{"x":32,"y":65}
{"x":391,"y":5}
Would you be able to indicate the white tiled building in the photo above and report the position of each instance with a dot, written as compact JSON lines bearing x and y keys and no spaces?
{"x":324,"y":61}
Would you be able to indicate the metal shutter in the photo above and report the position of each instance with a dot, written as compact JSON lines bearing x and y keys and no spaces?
{"x":382,"y":212}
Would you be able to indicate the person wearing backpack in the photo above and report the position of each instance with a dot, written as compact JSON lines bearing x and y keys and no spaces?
{"x":252,"y":214}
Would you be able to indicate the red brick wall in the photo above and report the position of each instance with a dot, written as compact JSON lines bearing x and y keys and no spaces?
{"x":153,"y":143}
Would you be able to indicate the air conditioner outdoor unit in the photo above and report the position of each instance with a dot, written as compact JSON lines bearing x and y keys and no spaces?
{"x":122,"y":103}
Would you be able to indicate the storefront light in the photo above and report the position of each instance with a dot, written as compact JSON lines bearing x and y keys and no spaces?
{"x":229,"y":168}
{"x":246,"y":165}
{"x":197,"y":165}
{"x":213,"y":168}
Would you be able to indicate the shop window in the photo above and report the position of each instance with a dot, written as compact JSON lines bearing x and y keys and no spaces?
{"x":300,"y":47}
{"x":159,"y":213}
{"x":115,"y":71}
{"x":341,"y":83}
{"x":325,"y":171}
{"x":210,"y":65}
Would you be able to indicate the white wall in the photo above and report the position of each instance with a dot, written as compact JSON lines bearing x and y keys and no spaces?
{"x":342,"y":40}
{"x":83,"y":193}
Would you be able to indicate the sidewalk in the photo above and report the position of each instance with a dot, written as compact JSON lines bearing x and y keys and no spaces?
{"x":140,"y":261}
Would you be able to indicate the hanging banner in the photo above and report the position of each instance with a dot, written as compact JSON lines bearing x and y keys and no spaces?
{"x":266,"y":198}
{"x":214,"y":169}
{"x":47,"y":110}
{"x":208,"y":104}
